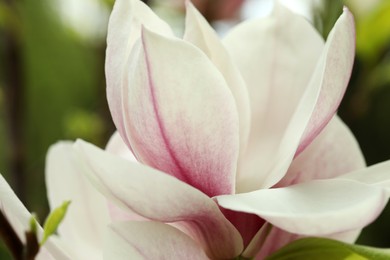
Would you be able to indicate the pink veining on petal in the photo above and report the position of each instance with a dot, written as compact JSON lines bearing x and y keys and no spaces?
{"x":171,"y":135}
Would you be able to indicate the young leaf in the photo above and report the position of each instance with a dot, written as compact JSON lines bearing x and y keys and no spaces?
{"x":323,"y":249}
{"x":53,"y":221}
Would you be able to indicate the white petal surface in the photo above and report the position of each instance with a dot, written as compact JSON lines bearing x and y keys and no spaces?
{"x":149,"y":240}
{"x":87,"y":216}
{"x":378,"y":175}
{"x":332,"y":73}
{"x":181,"y":117}
{"x":334,"y":152}
{"x":314,"y":208}
{"x":13,"y":209}
{"x":124,"y":29}
{"x":276,"y":56}
{"x":160,"y":197}
{"x":200,"y":33}
{"x":117,"y":146}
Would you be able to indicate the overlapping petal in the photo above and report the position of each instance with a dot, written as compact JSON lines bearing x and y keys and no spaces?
{"x":332,"y":73}
{"x":276,"y":56}
{"x":200,"y":33}
{"x":160,"y":197}
{"x":87,"y":217}
{"x":334,"y":152}
{"x":181,"y":117}
{"x":318,"y":207}
{"x":281,"y":132}
{"x":124,"y":29}
{"x":377,"y":175}
{"x":154,"y":240}
{"x":117,"y":146}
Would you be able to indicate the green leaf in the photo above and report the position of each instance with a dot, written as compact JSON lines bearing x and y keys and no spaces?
{"x":53,"y":221}
{"x":324,"y":249}
{"x":33,"y":223}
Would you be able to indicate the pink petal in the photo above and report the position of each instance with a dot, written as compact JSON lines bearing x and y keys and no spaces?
{"x":334,"y":152}
{"x":333,"y":74}
{"x":87,"y":217}
{"x":124,"y":29}
{"x":318,"y":207}
{"x":201,"y":34}
{"x":160,"y":197}
{"x":276,"y":56}
{"x":180,"y":116}
{"x":149,"y":240}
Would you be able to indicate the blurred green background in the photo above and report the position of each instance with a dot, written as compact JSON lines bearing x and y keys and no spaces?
{"x":52,"y":87}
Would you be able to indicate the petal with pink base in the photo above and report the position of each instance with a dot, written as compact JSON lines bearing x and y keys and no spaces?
{"x":160,"y":197}
{"x":181,"y":117}
{"x":201,"y":34}
{"x":149,"y":240}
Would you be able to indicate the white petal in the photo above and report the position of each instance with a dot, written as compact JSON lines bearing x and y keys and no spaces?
{"x":314,"y":208}
{"x":276,"y":56}
{"x":201,"y":34}
{"x":87,"y":217}
{"x":124,"y":29}
{"x":180,"y":116}
{"x":160,"y":197}
{"x":334,"y":152}
{"x":117,"y":146}
{"x":149,"y":240}
{"x":19,"y":218}
{"x":377,"y":175}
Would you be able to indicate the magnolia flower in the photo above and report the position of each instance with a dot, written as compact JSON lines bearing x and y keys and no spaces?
{"x":224,"y":149}
{"x":237,"y":145}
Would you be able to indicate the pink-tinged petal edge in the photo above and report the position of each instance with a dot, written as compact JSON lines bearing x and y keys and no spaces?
{"x":175,"y":123}
{"x":129,"y":186}
{"x":338,"y":63}
{"x":124,"y":29}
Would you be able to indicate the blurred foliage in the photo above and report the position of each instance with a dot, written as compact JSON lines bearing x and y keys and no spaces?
{"x":85,"y":125}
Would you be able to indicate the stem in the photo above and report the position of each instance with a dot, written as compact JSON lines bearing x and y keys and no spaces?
{"x":10,"y":238}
